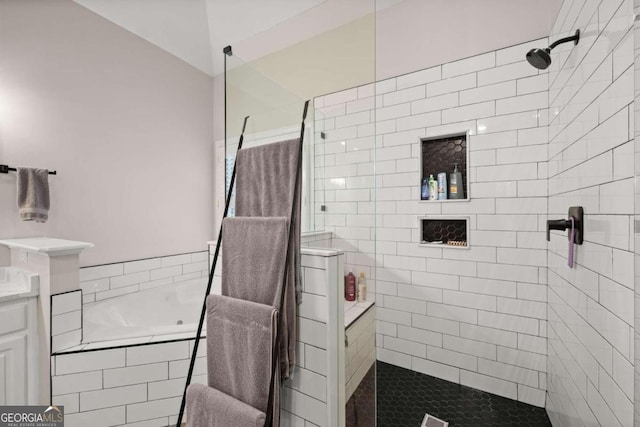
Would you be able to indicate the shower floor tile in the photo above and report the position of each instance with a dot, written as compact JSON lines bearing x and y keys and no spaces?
{"x":404,"y":396}
{"x":361,"y":407}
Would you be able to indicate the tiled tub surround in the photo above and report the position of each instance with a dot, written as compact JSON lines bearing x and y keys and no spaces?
{"x":55,"y":262}
{"x":590,"y":308}
{"x":124,"y":386}
{"x":66,"y":320}
{"x":142,"y":384}
{"x":477,"y":316}
{"x":112,"y":280}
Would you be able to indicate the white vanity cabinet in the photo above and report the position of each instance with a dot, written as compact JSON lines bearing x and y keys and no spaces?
{"x":18,"y":351}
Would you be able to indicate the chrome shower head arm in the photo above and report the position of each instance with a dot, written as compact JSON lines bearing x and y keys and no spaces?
{"x":574,"y":38}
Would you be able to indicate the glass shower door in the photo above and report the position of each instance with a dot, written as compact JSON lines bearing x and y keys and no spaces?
{"x":335,"y":70}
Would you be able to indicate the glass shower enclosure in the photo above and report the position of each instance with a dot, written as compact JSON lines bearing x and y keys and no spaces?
{"x":335,"y":71}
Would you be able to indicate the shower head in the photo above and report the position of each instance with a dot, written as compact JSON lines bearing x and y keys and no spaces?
{"x":541,"y":58}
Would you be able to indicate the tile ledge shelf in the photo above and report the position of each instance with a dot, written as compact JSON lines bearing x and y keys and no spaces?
{"x":442,"y":246}
{"x":353,"y":310}
{"x":47,"y":245}
{"x":131,"y":342}
{"x":324,"y":252}
{"x":446,"y":201}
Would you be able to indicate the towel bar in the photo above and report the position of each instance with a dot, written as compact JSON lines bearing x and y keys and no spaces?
{"x":7,"y":169}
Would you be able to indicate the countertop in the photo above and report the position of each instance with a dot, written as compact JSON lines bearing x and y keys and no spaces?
{"x":47,"y":245}
{"x":27,"y":287}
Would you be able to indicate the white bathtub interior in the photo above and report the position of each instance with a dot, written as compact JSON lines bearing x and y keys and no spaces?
{"x":163,"y":313}
{"x":148,"y":315}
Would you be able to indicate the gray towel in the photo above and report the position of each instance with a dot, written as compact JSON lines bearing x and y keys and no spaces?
{"x":266,"y":178}
{"x":208,"y":407}
{"x":252,"y":258}
{"x":240,"y":343}
{"x":33,"y":194}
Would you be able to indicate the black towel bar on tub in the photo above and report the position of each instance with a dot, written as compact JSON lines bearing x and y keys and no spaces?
{"x":7,"y":169}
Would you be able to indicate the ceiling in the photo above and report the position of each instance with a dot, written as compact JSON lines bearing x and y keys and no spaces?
{"x":178,"y":26}
{"x":196,"y":31}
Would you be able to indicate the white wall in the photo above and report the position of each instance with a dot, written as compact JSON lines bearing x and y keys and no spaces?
{"x":127,"y":126}
{"x":590,"y":308}
{"x":475,"y":317}
{"x":438,"y":31}
{"x":433,"y":32}
{"x":5,"y":256}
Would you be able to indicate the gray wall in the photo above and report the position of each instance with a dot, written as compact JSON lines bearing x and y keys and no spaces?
{"x":127,"y":125}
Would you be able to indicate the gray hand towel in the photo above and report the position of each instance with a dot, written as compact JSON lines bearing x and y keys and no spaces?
{"x":266,"y":178}
{"x":208,"y":407}
{"x":33,"y":194}
{"x":253,"y":261}
{"x":240,"y":344}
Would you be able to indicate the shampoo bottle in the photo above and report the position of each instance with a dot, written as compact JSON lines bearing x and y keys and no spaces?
{"x":424,"y":189}
{"x":456,"y":191}
{"x":442,"y":186}
{"x":433,"y":188}
{"x":362,"y":287}
{"x":350,"y":287}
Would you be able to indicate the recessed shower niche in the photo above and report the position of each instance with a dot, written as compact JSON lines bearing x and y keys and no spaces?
{"x":444,"y":232}
{"x":445,"y":159}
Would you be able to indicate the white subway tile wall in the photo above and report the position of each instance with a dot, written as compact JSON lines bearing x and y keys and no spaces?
{"x":144,"y":384}
{"x":451,"y":313}
{"x":66,"y":320}
{"x":112,"y":280}
{"x":590,"y":327}
{"x":320,"y":239}
{"x":132,"y":384}
{"x":360,"y":350}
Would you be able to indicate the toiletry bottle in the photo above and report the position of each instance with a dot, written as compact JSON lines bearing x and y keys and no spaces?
{"x":456,"y":191}
{"x":424,"y":190}
{"x":346,"y":277}
{"x":362,"y":287}
{"x":442,"y":186}
{"x":350,"y":287}
{"x":433,"y":188}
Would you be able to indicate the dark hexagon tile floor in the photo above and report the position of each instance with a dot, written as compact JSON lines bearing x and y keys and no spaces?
{"x":361,"y":407}
{"x":404,"y":396}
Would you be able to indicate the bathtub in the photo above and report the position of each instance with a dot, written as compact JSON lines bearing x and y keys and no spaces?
{"x":164,"y":310}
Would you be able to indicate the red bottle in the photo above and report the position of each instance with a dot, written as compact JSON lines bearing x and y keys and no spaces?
{"x":350,"y":287}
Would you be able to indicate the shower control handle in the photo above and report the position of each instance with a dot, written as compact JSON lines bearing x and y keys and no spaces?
{"x":557,"y":224}
{"x":575,"y":212}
